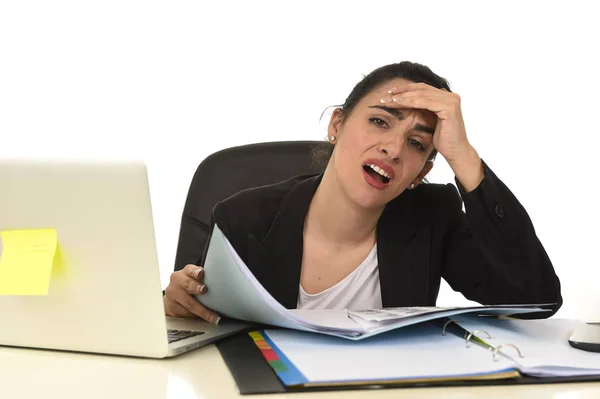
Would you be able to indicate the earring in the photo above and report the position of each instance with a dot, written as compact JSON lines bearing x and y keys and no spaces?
{"x":332,"y":138}
{"x":412,"y":186}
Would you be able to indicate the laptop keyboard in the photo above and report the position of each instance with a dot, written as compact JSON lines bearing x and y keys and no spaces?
{"x":178,"y":335}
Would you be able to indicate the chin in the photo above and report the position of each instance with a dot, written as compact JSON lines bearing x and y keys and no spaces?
{"x":368,"y":200}
{"x":367,"y":197}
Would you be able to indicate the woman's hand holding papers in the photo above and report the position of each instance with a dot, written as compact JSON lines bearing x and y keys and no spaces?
{"x":179,"y":297}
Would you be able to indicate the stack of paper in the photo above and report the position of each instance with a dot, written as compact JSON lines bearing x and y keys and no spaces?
{"x":234,"y":292}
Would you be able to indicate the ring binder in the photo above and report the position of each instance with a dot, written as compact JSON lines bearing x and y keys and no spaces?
{"x":503,"y":345}
{"x":448,"y":322}
{"x":473,"y":333}
{"x":543,"y":358}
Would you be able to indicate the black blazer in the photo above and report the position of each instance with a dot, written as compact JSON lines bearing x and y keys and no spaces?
{"x":490,"y":254}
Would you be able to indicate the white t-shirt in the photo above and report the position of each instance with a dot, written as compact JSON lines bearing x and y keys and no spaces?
{"x":358,"y":290}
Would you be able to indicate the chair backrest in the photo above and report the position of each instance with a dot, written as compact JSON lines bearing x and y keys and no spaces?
{"x":228,"y":171}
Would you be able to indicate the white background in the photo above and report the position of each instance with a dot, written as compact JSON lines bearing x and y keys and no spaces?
{"x":173,"y":81}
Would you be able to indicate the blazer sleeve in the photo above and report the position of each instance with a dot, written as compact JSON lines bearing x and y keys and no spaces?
{"x":235,"y":217}
{"x":492,"y":254}
{"x":217,"y":218}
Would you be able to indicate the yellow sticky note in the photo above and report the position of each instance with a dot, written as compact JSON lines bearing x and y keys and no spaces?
{"x":26,"y":261}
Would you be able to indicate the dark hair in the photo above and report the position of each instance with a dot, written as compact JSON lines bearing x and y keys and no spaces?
{"x":406,"y":70}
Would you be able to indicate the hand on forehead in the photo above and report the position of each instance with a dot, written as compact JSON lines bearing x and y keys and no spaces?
{"x":382,"y":92}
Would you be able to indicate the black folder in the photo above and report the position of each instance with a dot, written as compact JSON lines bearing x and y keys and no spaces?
{"x":253,"y":375}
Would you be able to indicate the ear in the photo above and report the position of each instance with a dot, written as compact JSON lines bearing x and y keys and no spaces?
{"x":335,"y":124}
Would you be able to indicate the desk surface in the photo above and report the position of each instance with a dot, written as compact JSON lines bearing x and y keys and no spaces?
{"x":29,"y":373}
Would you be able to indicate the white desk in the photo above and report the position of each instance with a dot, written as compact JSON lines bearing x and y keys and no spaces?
{"x":28,"y":373}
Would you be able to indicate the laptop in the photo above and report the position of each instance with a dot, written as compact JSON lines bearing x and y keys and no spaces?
{"x":106,"y":296}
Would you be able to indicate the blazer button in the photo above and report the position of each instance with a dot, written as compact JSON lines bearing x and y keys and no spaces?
{"x":499,"y":211}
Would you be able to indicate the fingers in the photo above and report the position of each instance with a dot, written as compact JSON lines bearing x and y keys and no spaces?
{"x":179,"y":294}
{"x":195,"y":272}
{"x":436,"y":94}
{"x":192,"y":279}
{"x":442,"y":103}
{"x":440,"y":95}
{"x":194,"y":287}
{"x":191,"y":305}
{"x":174,"y":309}
{"x":429,"y":97}
{"x":420,"y":102}
{"x":410,"y":86}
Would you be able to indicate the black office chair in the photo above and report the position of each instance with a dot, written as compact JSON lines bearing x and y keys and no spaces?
{"x":228,"y":171}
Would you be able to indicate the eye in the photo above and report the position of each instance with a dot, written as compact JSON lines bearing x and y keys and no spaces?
{"x":416,"y":145}
{"x":378,"y":122}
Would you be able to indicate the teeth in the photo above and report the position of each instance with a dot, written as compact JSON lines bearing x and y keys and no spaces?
{"x":379,"y":170}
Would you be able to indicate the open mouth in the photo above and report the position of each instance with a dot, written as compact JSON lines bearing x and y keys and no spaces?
{"x":377,"y":173}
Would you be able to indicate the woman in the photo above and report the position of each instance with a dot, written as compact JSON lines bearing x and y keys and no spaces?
{"x":368,"y":233}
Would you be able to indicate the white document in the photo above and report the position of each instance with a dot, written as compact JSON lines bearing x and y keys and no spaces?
{"x":234,"y":292}
{"x":544,"y":345}
{"x":394,"y":313}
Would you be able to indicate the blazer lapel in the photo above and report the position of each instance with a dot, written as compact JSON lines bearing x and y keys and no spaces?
{"x":276,"y":259}
{"x":403,"y":255}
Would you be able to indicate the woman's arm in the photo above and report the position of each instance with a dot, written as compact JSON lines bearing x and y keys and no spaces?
{"x":492,"y":254}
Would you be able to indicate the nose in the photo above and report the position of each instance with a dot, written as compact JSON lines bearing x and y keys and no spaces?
{"x":392,"y":148}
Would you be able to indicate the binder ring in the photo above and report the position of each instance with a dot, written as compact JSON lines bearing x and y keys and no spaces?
{"x":448,"y":322}
{"x":473,"y":333}
{"x":503,"y":345}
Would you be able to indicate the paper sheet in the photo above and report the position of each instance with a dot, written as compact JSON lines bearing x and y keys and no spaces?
{"x":26,"y":261}
{"x":543,"y":343}
{"x":233,"y":291}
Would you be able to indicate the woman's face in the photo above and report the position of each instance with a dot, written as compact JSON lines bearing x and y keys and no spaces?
{"x":380,"y":151}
